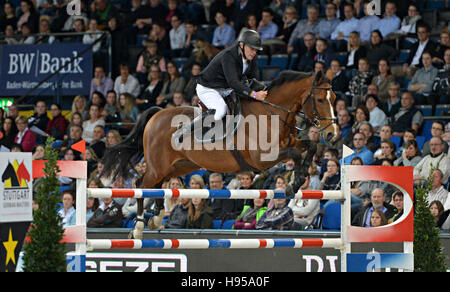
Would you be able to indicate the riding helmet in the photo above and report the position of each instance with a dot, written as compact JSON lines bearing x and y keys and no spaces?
{"x":252,"y":39}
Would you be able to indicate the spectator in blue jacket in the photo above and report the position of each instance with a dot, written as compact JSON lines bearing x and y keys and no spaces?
{"x":224,"y":34}
{"x":360,"y":150}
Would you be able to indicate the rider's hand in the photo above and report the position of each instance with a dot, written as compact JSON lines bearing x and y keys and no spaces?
{"x":261,"y":95}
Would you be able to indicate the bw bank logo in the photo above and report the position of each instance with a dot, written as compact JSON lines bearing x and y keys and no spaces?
{"x":74,"y":8}
{"x":374,"y":7}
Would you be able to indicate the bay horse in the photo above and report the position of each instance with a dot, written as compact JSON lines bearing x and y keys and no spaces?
{"x":291,"y":96}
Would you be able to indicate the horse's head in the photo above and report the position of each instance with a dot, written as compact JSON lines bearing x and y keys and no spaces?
{"x":317,"y":105}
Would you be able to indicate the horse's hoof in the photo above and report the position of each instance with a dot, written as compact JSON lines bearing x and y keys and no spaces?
{"x":135,"y":234}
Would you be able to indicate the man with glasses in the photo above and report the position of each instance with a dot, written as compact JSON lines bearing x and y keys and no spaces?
{"x":306,"y":60}
{"x":408,"y":116}
{"x":437,"y":130}
{"x":177,"y":36}
{"x":222,"y":208}
{"x":360,"y":150}
{"x":424,"y":44}
{"x":436,"y":159}
{"x":327,"y":25}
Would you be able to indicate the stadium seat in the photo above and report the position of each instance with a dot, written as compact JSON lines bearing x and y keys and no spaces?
{"x":280,"y":60}
{"x":130,"y":224}
{"x":441,"y":109}
{"x":332,"y":217}
{"x":63,"y":188}
{"x":404,"y":55}
{"x":434,"y":5}
{"x":217,"y":224}
{"x":262,"y":60}
{"x":342,"y":57}
{"x":179,"y":61}
{"x":291,"y":62}
{"x":426,"y":110}
{"x":133,"y":56}
{"x":397,"y":140}
{"x":420,"y":141}
{"x":228,"y":224}
{"x":268,"y":73}
{"x":140,"y":39}
{"x":426,"y":132}
{"x":430,"y":16}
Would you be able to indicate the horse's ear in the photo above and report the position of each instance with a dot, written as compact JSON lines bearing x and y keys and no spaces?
{"x":319,"y":76}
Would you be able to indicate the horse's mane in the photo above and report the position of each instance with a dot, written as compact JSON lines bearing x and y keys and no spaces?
{"x":288,"y":76}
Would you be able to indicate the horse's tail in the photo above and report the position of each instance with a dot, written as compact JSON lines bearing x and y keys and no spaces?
{"x":119,"y":159}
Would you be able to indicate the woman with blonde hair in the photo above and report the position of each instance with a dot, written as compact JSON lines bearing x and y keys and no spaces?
{"x":75,"y":119}
{"x":196,"y":182}
{"x":113,"y":138}
{"x":355,"y":51}
{"x":79,"y":105}
{"x":174,"y":183}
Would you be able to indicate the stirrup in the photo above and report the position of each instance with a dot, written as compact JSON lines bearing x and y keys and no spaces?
{"x":189,"y":128}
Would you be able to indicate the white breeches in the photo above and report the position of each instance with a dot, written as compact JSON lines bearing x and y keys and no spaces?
{"x":213,"y":99}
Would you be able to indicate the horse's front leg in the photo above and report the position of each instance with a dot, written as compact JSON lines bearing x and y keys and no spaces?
{"x":303,"y":155}
{"x":139,"y":221}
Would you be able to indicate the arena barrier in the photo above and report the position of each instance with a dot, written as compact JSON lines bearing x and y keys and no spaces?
{"x":399,"y":231}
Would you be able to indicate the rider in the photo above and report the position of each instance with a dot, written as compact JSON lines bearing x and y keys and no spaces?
{"x":228,"y":71}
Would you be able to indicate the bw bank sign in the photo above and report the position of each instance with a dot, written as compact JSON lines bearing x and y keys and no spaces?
{"x":25,"y":66}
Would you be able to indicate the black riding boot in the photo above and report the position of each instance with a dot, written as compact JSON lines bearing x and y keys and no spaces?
{"x":197,"y":122}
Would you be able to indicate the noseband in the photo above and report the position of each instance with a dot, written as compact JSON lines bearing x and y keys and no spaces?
{"x":316,"y":116}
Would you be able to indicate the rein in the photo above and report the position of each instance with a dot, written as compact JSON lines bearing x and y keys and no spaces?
{"x":316,"y":119}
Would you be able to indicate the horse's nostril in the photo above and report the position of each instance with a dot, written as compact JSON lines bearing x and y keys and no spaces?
{"x":330,"y":136}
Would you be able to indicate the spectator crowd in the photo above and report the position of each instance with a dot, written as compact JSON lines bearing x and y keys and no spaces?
{"x":378,"y":100}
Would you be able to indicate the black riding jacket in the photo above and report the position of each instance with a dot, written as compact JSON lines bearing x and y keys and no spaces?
{"x":225,"y":71}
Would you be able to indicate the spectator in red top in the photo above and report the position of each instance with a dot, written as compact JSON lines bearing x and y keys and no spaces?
{"x":24,"y":137}
{"x":57,"y":127}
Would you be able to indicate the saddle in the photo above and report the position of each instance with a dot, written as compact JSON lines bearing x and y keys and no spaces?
{"x":206,"y":130}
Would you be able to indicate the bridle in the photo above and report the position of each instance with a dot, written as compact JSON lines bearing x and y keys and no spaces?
{"x":316,"y":116}
{"x":315,"y":121}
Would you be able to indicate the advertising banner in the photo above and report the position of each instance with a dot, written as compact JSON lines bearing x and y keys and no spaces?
{"x":16,"y":187}
{"x":22,"y":67}
{"x":16,"y":212}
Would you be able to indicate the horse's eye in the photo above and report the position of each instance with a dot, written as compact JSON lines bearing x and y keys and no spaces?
{"x":320,"y":100}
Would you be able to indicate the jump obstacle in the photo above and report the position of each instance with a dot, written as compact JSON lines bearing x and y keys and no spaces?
{"x":399,"y":231}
